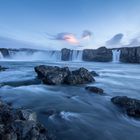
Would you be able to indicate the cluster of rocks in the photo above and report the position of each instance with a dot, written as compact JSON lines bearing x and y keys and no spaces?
{"x":54,"y":75}
{"x":20,"y":124}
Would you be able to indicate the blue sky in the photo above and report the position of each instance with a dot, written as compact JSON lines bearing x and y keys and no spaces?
{"x":31,"y":20}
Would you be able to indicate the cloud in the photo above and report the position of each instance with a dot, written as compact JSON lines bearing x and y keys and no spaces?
{"x":86,"y":34}
{"x":64,"y":36}
{"x":134,"y":41}
{"x":115,"y":40}
{"x":70,"y":37}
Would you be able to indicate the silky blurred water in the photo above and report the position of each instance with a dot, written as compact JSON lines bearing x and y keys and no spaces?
{"x":78,"y":114}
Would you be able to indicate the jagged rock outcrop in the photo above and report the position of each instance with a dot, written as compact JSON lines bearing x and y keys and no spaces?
{"x":54,"y":75}
{"x":4,"y":52}
{"x":20,"y":124}
{"x":130,"y":55}
{"x":65,"y":54}
{"x":80,"y":76}
{"x":99,"y":55}
{"x":130,"y":106}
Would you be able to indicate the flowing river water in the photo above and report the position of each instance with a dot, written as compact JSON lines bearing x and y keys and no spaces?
{"x":77,"y":113}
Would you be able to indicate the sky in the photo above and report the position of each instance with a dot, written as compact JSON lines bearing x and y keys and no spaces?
{"x":41,"y":22}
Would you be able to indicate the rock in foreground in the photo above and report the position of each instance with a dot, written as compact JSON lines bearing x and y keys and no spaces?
{"x":131,"y":106}
{"x":16,"y":124}
{"x":2,"y":68}
{"x":54,"y":75}
{"x":94,"y":89}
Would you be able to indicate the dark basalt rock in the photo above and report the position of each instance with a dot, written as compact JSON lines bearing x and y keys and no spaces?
{"x":131,"y":106}
{"x":65,"y":54}
{"x":130,"y":55}
{"x":80,"y":76}
{"x":5,"y":52}
{"x":54,"y":75}
{"x":16,"y":124}
{"x":101,"y":54}
{"x":3,"y":68}
{"x":94,"y":89}
{"x":94,"y":74}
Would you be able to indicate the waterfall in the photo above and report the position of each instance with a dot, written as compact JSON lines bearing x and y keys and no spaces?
{"x":49,"y":55}
{"x":116,"y":56}
{"x":1,"y":55}
{"x":76,"y":55}
{"x":53,"y":55}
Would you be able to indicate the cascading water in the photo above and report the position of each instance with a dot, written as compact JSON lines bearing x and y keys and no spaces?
{"x":116,"y":56}
{"x":53,"y":55}
{"x":1,"y":55}
{"x":35,"y":55}
{"x":76,"y":55}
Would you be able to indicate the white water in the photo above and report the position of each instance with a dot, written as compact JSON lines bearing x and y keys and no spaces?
{"x":116,"y":56}
{"x":49,"y":55}
{"x":77,"y":55}
{"x":1,"y":56}
{"x":39,"y":55}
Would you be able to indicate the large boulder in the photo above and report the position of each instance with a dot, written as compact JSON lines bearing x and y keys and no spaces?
{"x":80,"y":76}
{"x":65,"y":54}
{"x":131,"y":106}
{"x":130,"y":55}
{"x":16,"y":124}
{"x":54,"y":75}
{"x":101,"y":54}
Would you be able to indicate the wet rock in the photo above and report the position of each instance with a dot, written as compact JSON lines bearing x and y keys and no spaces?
{"x":3,"y":68}
{"x":27,"y":115}
{"x":94,"y":74}
{"x":16,"y":124}
{"x":80,"y":76}
{"x":130,"y":55}
{"x":65,"y":54}
{"x":101,"y":54}
{"x":5,"y":52}
{"x":54,"y":75}
{"x":94,"y":89}
{"x":130,"y":106}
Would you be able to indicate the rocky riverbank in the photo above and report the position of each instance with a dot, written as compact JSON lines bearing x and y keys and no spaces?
{"x":20,"y":124}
